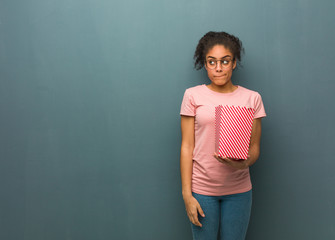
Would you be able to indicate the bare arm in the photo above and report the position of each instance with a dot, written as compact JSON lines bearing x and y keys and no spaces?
{"x":255,"y":141}
{"x":254,"y":148}
{"x":186,"y":152}
{"x":186,"y":165}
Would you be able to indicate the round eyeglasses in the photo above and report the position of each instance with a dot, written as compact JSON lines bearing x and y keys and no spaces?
{"x":225,"y":63}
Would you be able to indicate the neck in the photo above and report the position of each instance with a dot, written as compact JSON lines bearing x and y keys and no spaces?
{"x":227,"y":88}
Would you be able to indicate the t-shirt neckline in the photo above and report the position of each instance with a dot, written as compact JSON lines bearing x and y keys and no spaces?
{"x":222,"y":94}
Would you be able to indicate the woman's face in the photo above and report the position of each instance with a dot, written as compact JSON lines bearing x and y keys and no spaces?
{"x":219,"y":64}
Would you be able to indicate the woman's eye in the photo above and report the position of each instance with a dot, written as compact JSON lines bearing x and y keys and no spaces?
{"x":225,"y":62}
{"x":211,"y":62}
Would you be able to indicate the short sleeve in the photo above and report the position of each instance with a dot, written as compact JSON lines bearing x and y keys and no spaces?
{"x":187,"y":105}
{"x":259,"y":107}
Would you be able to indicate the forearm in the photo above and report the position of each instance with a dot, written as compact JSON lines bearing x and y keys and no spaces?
{"x":254,"y":148}
{"x":186,"y":154}
{"x":186,"y":165}
{"x":253,"y":154}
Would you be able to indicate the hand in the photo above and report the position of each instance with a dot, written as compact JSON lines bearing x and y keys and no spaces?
{"x":192,"y":209}
{"x":235,"y":163}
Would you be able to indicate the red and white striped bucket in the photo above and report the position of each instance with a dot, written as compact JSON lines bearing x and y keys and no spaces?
{"x":233,"y":125}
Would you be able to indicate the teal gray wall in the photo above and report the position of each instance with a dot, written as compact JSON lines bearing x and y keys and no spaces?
{"x":90,"y":93}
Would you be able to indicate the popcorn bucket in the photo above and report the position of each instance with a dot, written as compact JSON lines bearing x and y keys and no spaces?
{"x":233,"y":125}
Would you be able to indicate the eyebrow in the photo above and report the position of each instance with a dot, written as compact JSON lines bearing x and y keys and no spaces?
{"x":221,"y":58}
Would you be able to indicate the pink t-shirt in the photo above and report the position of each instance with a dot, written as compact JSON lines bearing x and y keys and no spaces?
{"x":210,"y":177}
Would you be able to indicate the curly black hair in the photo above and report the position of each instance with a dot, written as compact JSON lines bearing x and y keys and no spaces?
{"x":211,"y":39}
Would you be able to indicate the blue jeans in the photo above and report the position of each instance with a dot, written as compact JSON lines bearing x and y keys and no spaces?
{"x":226,"y":217}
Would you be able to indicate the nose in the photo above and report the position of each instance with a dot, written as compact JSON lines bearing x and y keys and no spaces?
{"x":218,"y":67}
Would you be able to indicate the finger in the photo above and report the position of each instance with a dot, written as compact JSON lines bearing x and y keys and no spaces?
{"x":220,"y":160}
{"x":228,"y":159}
{"x":216,"y":155}
{"x":197,"y":223}
{"x":196,"y":220}
{"x":190,"y":216}
{"x":201,"y":212}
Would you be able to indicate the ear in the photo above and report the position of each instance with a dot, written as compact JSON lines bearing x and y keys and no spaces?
{"x":234,"y":64}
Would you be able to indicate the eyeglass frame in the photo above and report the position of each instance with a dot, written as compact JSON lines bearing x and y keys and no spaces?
{"x":217,"y":60}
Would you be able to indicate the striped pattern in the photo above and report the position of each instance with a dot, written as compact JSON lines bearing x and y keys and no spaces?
{"x":233,"y":125}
